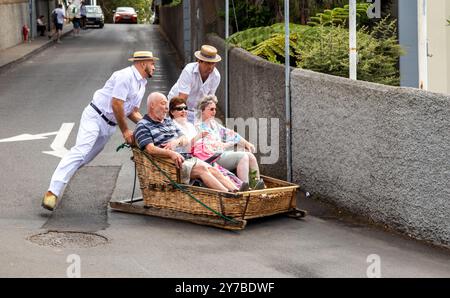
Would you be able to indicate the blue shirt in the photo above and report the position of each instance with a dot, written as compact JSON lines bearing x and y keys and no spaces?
{"x":158,"y":133}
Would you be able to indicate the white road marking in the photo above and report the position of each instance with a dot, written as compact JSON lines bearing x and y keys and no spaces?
{"x":60,"y":140}
{"x":28,"y":137}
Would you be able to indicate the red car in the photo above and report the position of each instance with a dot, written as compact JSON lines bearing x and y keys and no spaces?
{"x":125,"y":15}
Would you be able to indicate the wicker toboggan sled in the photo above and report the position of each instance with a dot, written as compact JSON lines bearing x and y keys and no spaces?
{"x":164,"y":196}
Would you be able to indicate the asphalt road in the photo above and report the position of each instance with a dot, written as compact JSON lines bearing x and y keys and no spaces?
{"x":52,"y":88}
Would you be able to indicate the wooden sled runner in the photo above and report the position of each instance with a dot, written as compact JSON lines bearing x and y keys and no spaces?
{"x":164,"y":196}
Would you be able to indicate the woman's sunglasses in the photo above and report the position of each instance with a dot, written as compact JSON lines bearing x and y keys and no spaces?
{"x":182,"y":108}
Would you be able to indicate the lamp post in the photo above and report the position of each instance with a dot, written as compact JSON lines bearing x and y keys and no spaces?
{"x":423,"y":44}
{"x":227,"y":34}
{"x":352,"y":31}
{"x":287,"y":84}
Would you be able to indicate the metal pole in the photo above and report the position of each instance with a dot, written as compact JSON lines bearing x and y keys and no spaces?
{"x":287,"y":91}
{"x":423,"y":45}
{"x":352,"y":31}
{"x":227,"y":34}
{"x":187,"y":31}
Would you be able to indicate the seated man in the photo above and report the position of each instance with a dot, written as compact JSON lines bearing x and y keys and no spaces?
{"x":159,"y":136}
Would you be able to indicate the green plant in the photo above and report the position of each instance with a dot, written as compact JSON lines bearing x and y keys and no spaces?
{"x":340,"y":15}
{"x":173,"y":3}
{"x":325,"y":49}
{"x":252,"y":178}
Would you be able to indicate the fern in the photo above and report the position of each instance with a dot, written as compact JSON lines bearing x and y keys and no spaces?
{"x":339,"y":15}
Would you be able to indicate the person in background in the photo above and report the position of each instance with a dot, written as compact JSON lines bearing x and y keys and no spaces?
{"x":41,"y":28}
{"x":83,"y":15}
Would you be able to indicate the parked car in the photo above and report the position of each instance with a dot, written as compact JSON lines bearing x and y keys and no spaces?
{"x":94,"y":16}
{"x":125,"y":15}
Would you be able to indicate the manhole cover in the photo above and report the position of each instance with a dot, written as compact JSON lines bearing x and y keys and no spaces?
{"x":68,"y":239}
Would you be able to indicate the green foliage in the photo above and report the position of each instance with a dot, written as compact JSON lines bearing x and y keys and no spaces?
{"x":252,"y":178}
{"x":172,"y":3}
{"x":325,"y":49}
{"x":340,"y":15}
{"x":142,"y":8}
{"x":448,"y":22}
{"x":254,"y":36}
{"x":248,"y":15}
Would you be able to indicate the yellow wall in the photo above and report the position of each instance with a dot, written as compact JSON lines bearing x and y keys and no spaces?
{"x":439,"y":46}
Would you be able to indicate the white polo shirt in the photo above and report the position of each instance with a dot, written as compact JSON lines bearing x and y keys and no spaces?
{"x":126,"y":84}
{"x":190,"y":82}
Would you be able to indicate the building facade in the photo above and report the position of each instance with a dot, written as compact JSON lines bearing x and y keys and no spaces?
{"x":425,"y":35}
{"x":14,"y":14}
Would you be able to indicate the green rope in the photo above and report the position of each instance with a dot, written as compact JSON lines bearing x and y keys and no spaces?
{"x":178,"y":186}
{"x":124,"y":145}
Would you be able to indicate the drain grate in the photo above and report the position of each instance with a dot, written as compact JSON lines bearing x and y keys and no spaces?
{"x":68,"y":239}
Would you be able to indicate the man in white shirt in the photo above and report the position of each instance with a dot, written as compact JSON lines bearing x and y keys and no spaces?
{"x":119,"y":98}
{"x":198,"y":79}
{"x":59,"y":22}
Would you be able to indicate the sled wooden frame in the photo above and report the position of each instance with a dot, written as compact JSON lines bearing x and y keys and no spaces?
{"x":161,"y":199}
{"x":136,"y":206}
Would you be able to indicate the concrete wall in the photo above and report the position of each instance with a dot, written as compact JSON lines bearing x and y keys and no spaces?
{"x":204,"y":19}
{"x":171,"y":23}
{"x":379,"y":151}
{"x":216,"y":41}
{"x":13,"y":15}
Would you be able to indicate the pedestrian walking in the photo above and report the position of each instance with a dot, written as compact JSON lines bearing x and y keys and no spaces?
{"x":83,"y":14}
{"x":58,"y":17}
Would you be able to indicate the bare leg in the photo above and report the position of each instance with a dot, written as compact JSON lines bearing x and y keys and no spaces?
{"x":253,"y":164}
{"x":223,"y":179}
{"x":243,"y":168}
{"x":200,"y":171}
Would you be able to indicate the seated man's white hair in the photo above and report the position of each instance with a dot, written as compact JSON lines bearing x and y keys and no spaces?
{"x":154,"y":96}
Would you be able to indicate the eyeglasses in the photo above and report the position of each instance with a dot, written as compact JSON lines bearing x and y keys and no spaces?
{"x":181,"y":108}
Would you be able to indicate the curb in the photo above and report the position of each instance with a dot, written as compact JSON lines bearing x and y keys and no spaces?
{"x":46,"y":45}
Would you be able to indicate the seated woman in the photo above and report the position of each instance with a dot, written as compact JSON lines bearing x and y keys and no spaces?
{"x":219,"y":143}
{"x":178,"y":112}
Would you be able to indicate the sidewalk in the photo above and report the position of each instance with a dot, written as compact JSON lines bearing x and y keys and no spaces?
{"x":23,"y":51}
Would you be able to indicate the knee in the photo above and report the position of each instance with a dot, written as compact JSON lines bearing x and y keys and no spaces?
{"x":251,"y":157}
{"x":244,"y":159}
{"x":202,"y":168}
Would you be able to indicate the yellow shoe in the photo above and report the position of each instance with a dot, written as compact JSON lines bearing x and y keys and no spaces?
{"x":49,"y":201}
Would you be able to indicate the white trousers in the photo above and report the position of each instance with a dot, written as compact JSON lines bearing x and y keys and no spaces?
{"x":92,"y":137}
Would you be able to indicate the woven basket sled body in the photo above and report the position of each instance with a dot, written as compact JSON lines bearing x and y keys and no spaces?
{"x":159,"y":193}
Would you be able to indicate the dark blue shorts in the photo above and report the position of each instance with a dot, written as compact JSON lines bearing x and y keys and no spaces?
{"x":59,"y":26}
{"x":76,"y":23}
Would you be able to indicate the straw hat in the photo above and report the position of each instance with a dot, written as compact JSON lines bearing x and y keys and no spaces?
{"x":208,"y":54}
{"x":142,"y":55}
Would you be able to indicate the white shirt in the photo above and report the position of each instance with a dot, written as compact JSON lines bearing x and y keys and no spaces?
{"x":188,"y":129}
{"x":60,"y":15}
{"x":190,"y":83}
{"x":126,"y":84}
{"x":70,"y":10}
